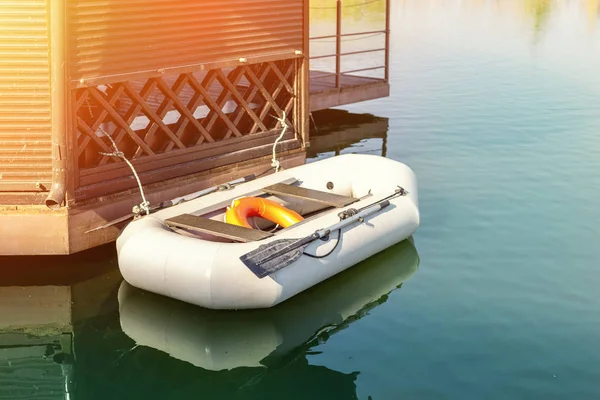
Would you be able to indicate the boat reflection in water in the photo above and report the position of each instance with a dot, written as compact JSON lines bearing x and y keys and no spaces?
{"x":224,"y":340}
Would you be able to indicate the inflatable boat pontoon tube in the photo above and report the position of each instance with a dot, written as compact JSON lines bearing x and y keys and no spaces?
{"x":209,"y":271}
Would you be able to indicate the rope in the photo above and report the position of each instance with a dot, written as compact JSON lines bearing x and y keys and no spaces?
{"x":337,"y":241}
{"x":274,"y":162}
{"x":145,"y":204}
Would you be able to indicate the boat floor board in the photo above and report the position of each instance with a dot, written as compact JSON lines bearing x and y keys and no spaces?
{"x":217,"y":228}
{"x":330,"y":199}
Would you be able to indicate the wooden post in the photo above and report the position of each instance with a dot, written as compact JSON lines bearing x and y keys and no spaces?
{"x":303,"y":90}
{"x":387,"y":41}
{"x":338,"y":43}
{"x":72,"y":178}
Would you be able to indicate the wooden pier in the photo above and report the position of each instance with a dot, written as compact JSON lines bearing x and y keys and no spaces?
{"x":325,"y":93}
{"x":85,"y":85}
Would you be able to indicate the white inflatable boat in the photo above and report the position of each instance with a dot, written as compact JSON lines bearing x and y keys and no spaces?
{"x":216,"y":250}
{"x":224,"y":340}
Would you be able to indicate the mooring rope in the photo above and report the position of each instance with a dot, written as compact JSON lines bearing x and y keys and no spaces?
{"x":145,"y":204}
{"x":274,"y":162}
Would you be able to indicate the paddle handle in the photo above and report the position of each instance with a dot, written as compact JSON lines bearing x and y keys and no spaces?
{"x":351,"y":220}
{"x":359,"y":217}
{"x":321,"y":233}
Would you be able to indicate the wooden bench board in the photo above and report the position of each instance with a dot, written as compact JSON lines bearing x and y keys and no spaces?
{"x":330,"y":199}
{"x":223,"y":204}
{"x":217,"y":228}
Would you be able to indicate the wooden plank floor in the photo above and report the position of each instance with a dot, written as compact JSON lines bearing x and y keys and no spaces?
{"x":353,"y":89}
{"x":320,"y":83}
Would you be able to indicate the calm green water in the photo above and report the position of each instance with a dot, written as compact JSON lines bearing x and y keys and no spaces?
{"x":496,"y":106}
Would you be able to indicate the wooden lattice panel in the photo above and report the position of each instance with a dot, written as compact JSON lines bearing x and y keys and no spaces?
{"x":177,"y":112}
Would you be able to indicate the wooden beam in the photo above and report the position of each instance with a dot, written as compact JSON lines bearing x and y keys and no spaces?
{"x":330,"y":199}
{"x":170,"y":169}
{"x":239,"y":99}
{"x":30,"y":230}
{"x":21,"y":198}
{"x":99,"y":119}
{"x":265,"y":93}
{"x":183,"y":110}
{"x":213,"y":106}
{"x":165,"y":106}
{"x":281,"y":84}
{"x":78,"y":82}
{"x":205,"y":151}
{"x":303,"y":82}
{"x":119,"y":120}
{"x":131,"y":114}
{"x":182,"y":123}
{"x":355,"y":94}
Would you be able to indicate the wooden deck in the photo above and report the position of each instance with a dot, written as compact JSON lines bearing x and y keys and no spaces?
{"x":353,"y":89}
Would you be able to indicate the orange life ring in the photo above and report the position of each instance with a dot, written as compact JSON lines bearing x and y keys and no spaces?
{"x":241,"y":209}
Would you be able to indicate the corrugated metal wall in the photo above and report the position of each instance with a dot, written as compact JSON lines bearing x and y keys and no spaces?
{"x":25,"y":129}
{"x":116,"y":37}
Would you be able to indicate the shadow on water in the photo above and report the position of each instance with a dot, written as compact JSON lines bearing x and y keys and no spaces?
{"x":156,"y":347}
{"x":57,"y":270}
{"x":339,"y":131}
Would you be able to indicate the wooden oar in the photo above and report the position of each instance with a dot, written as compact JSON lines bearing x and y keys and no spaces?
{"x":179,"y":200}
{"x":278,"y":254}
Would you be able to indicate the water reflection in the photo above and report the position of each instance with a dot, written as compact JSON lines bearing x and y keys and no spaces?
{"x":81,"y":332}
{"x":225,"y":340}
{"x":174,"y":347}
{"x":539,"y":10}
{"x":335,"y":132}
{"x":41,"y":300}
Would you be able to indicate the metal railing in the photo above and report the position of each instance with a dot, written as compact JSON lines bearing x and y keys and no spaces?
{"x":338,"y":47}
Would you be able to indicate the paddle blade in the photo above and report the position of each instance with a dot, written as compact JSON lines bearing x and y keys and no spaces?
{"x":254,"y":259}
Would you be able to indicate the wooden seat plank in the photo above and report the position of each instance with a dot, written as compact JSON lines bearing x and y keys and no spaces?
{"x":330,"y":199}
{"x":217,"y":228}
